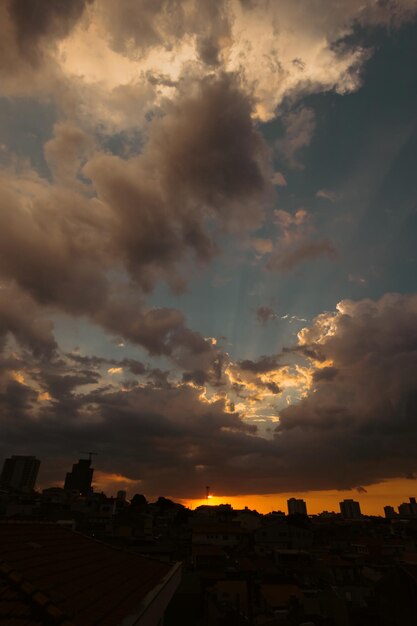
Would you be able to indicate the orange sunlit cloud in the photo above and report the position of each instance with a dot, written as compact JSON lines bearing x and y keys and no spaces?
{"x":111,"y":483}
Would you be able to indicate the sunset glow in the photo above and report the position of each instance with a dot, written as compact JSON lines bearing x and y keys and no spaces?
{"x":207,"y":247}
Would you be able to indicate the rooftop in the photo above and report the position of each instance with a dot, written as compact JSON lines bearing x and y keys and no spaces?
{"x":52,"y":575}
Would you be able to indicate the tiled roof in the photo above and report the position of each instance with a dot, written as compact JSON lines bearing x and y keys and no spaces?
{"x":51,"y":575}
{"x":14,"y":608}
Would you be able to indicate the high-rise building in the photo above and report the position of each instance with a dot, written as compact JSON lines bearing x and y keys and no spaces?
{"x":296,"y":506}
{"x":350,"y":509}
{"x":80,"y":478}
{"x":20,"y":472}
{"x":408,"y":509}
{"x":390,"y":512}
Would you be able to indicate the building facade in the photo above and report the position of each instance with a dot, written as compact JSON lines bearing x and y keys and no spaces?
{"x":296,"y":506}
{"x":80,"y":478}
{"x":350,"y":509}
{"x":20,"y":473}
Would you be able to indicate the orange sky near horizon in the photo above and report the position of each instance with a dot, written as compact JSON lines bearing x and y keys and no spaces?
{"x":392,"y":492}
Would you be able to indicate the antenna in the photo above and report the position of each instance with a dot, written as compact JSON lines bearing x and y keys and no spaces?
{"x":90,"y":455}
{"x":207,"y":492}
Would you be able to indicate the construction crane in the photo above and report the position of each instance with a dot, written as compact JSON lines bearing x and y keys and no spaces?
{"x":90,"y":455}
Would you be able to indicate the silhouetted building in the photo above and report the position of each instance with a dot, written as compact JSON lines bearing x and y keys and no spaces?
{"x":80,"y":478}
{"x":350,"y":509}
{"x":296,"y":506}
{"x":408,"y":509}
{"x":390,"y":512}
{"x":20,"y":472}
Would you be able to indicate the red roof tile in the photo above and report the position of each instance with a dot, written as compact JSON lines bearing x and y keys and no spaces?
{"x":77,"y":578}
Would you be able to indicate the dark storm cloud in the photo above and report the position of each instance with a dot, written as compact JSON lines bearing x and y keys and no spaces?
{"x":359,"y":424}
{"x":52,"y":243}
{"x":198,"y":377}
{"x":273,"y":387}
{"x":29,"y":32}
{"x":154,"y":329}
{"x":262,"y":365}
{"x":161,"y":331}
{"x":159,"y":378}
{"x":145,"y":431}
{"x":23,"y":318}
{"x":208,"y":149}
{"x":87,"y":361}
{"x":204,"y":160}
{"x":325,"y":373}
{"x":314,"y":354}
{"x":37,"y":20}
{"x":65,"y":243}
{"x":57,"y":246}
{"x":204,"y":164}
{"x":60,"y":386}
{"x":135,"y":367}
{"x":16,"y":400}
{"x":361,"y":420}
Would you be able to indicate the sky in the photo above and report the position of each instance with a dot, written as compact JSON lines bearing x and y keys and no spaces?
{"x":208,"y":219}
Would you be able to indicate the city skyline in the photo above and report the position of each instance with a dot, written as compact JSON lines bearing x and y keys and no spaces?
{"x":81,"y":479}
{"x":208,"y":218}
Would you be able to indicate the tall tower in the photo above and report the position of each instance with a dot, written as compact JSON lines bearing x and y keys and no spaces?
{"x":80,"y":478}
{"x":350,"y":509}
{"x":20,"y":472}
{"x":296,"y":506}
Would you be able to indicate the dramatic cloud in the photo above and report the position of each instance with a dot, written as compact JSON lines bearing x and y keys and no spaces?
{"x":108,"y":53}
{"x":360,"y":414}
{"x":36,"y":21}
{"x":203,"y":160}
{"x":260,"y":366}
{"x":151,"y":163}
{"x":204,"y":165}
{"x":21,"y":317}
{"x":356,"y":416}
{"x":53,"y":243}
{"x":29,"y":34}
